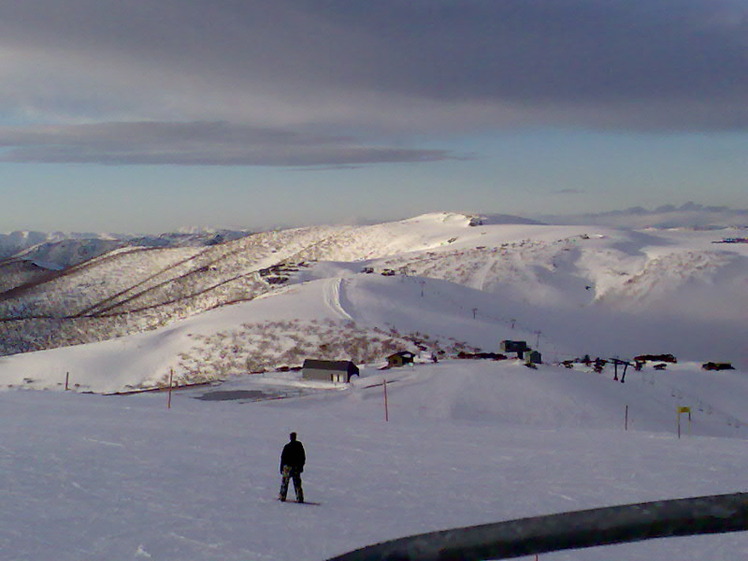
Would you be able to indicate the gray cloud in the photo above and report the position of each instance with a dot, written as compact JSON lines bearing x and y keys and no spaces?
{"x":197,"y":143}
{"x":569,"y":192}
{"x":374,"y":69}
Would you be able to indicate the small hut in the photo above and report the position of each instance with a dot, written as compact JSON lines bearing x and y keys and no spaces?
{"x":400,"y":359}
{"x":329,"y":370}
{"x":533,"y":357}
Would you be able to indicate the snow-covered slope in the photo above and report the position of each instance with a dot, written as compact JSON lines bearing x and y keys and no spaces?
{"x":364,"y":317}
{"x":349,"y":316}
{"x":664,"y":291}
{"x":92,"y":477}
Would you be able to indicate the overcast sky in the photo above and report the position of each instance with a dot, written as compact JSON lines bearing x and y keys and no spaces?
{"x":143,"y":115}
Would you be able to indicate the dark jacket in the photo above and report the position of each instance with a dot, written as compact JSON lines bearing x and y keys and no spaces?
{"x":293,"y":455}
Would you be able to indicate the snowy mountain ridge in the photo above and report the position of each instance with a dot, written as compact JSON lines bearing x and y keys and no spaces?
{"x":446,"y":276}
{"x":67,"y":249}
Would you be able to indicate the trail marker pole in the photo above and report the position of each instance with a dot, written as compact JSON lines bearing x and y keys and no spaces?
{"x":626,"y":419}
{"x":386,"y":405}
{"x":682,"y":410}
{"x":171,"y":378}
{"x":67,"y":381}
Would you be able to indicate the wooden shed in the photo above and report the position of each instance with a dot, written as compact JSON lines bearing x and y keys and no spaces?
{"x":400,"y":359}
{"x":533,"y":357}
{"x":328,"y":370}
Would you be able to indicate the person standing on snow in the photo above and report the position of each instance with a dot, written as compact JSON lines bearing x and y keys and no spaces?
{"x":292,"y":463}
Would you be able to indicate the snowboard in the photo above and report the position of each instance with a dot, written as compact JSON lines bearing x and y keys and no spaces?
{"x":311,"y":503}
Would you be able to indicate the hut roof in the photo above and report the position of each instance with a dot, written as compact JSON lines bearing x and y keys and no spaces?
{"x":341,"y":365}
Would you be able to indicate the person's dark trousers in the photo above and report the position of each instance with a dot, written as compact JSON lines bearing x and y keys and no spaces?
{"x":291,"y":473}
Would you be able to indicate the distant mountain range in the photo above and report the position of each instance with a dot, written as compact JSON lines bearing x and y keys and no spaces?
{"x":689,"y":215}
{"x":58,"y":250}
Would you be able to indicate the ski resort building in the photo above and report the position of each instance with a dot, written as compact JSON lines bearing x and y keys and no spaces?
{"x":329,"y":370}
{"x":519,"y":347}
